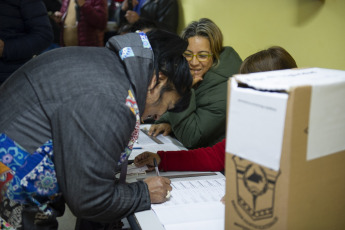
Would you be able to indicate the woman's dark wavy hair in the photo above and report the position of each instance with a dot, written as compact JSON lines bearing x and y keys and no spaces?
{"x":273,"y":58}
{"x":168,"y":59}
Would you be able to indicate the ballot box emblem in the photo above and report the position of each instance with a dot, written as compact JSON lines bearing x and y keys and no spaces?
{"x":255,"y":188}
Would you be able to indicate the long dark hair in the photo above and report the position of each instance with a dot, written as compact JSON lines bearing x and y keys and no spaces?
{"x":168,"y":49}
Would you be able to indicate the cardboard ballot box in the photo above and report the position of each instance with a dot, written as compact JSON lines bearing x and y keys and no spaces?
{"x":285,"y":161}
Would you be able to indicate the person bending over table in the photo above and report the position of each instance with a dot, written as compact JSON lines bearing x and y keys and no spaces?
{"x":68,"y":121}
{"x":213,"y":158}
{"x":211,"y":65}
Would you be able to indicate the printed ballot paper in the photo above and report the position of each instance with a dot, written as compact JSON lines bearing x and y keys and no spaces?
{"x":193,"y":204}
{"x":286,"y":150}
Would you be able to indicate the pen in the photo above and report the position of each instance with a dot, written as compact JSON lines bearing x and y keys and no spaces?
{"x":137,"y":148}
{"x":157,"y":173}
{"x":156,"y":166}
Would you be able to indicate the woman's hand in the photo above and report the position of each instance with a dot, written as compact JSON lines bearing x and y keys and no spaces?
{"x":164,"y":128}
{"x":131,"y":16}
{"x":158,"y":187}
{"x":57,"y":17}
{"x":146,"y":158}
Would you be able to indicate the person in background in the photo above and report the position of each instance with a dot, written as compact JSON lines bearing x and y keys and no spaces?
{"x":53,"y":6}
{"x":213,"y":158}
{"x":142,"y":24}
{"x":83,"y":22}
{"x":273,"y":58}
{"x":163,"y":12}
{"x":25,"y":31}
{"x":211,"y":65}
{"x":65,"y":133}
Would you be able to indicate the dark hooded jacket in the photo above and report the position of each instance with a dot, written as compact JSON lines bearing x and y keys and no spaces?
{"x":76,"y":97}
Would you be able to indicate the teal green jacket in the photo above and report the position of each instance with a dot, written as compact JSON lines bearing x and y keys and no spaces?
{"x":203,"y":123}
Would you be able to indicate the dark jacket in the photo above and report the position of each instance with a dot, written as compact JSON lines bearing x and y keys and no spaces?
{"x":76,"y":96}
{"x":93,"y":17}
{"x":203,"y":123}
{"x":163,"y":12}
{"x":25,"y":30}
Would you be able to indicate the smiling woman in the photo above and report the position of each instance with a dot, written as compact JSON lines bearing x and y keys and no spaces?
{"x":202,"y":124}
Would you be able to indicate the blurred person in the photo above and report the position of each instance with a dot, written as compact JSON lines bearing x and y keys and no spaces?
{"x":163,"y":12}
{"x":213,"y":158}
{"x":65,"y":133}
{"x":83,"y":22}
{"x":142,"y":24}
{"x":211,"y":65}
{"x":53,"y":6}
{"x":25,"y":31}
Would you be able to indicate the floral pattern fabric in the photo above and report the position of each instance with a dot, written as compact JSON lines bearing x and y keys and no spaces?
{"x":132,"y":105}
{"x":26,"y":179}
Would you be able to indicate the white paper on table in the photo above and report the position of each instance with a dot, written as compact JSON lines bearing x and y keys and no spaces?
{"x":132,"y":169}
{"x":196,"y":216}
{"x":147,"y":143}
{"x":192,"y":203}
{"x":145,"y":140}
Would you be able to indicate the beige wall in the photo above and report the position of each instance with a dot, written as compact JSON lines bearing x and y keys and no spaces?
{"x":313,"y":31}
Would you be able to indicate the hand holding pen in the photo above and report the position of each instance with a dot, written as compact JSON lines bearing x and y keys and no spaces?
{"x":159,"y":187}
{"x":157,"y":173}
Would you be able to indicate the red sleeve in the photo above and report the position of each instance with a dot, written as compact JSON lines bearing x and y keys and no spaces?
{"x":202,"y":159}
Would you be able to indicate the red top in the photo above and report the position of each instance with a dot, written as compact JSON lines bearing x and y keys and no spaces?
{"x":202,"y":159}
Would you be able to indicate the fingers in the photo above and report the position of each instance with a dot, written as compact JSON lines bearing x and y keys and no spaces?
{"x":131,"y":16}
{"x":141,"y":158}
{"x":159,"y":189}
{"x":164,"y":128}
{"x":144,"y":158}
{"x":166,"y":132}
{"x":152,"y":129}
